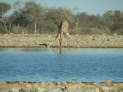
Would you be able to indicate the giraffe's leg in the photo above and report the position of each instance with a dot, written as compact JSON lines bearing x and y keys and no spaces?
{"x":56,"y":38}
{"x":60,"y":39}
{"x":69,"y":36}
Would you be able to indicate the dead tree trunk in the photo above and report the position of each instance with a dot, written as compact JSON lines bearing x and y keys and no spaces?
{"x":35,"y":27}
{"x":10,"y":26}
{"x":18,"y":27}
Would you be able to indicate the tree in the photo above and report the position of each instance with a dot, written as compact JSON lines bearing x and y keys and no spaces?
{"x":55,"y":16}
{"x":30,"y":16}
{"x":114,"y":20}
{"x":35,"y":12}
{"x":4,"y":7}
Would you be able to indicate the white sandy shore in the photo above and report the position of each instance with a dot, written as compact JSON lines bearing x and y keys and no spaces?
{"x":107,"y":86}
{"x":89,"y":41}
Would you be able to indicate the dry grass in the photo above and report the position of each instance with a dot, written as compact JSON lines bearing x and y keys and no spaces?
{"x":33,"y":40}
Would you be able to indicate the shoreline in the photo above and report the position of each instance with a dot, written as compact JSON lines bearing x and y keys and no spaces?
{"x":52,"y":47}
{"x":106,"y":81}
{"x":77,"y":41}
{"x":21,"y":86}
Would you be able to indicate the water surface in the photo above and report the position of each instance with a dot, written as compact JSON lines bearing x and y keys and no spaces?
{"x":66,"y":64}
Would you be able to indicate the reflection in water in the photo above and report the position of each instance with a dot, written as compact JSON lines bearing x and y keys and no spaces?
{"x":2,"y":49}
{"x":63,"y":51}
{"x":59,"y":50}
{"x":33,"y":49}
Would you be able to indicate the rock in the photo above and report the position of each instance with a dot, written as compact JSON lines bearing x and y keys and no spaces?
{"x":10,"y":91}
{"x":22,"y":90}
{"x":14,"y":90}
{"x":35,"y":85}
{"x":94,"y":89}
{"x":74,"y":88}
{"x":44,"y":44}
{"x":55,"y":90}
{"x":34,"y":90}
{"x":98,"y":90}
{"x":28,"y":86}
{"x":108,"y":83}
{"x":110,"y":89}
{"x":41,"y":89}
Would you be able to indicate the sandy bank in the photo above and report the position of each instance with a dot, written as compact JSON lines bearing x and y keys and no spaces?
{"x":107,"y":86}
{"x":87,"y":41}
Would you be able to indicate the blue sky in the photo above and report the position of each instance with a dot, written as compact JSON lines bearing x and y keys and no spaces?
{"x":88,"y":6}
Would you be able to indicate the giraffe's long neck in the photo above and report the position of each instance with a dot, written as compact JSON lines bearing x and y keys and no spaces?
{"x":60,"y":27}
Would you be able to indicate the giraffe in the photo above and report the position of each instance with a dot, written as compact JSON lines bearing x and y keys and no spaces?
{"x":63,"y":29}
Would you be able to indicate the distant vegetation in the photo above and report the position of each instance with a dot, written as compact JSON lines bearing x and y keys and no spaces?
{"x":33,"y":18}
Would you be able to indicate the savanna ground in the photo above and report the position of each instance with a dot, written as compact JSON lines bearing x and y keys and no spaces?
{"x":77,"y":41}
{"x":107,"y":86}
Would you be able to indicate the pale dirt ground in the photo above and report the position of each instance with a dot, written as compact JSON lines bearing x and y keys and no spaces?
{"x":89,"y":41}
{"x":107,"y":86}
